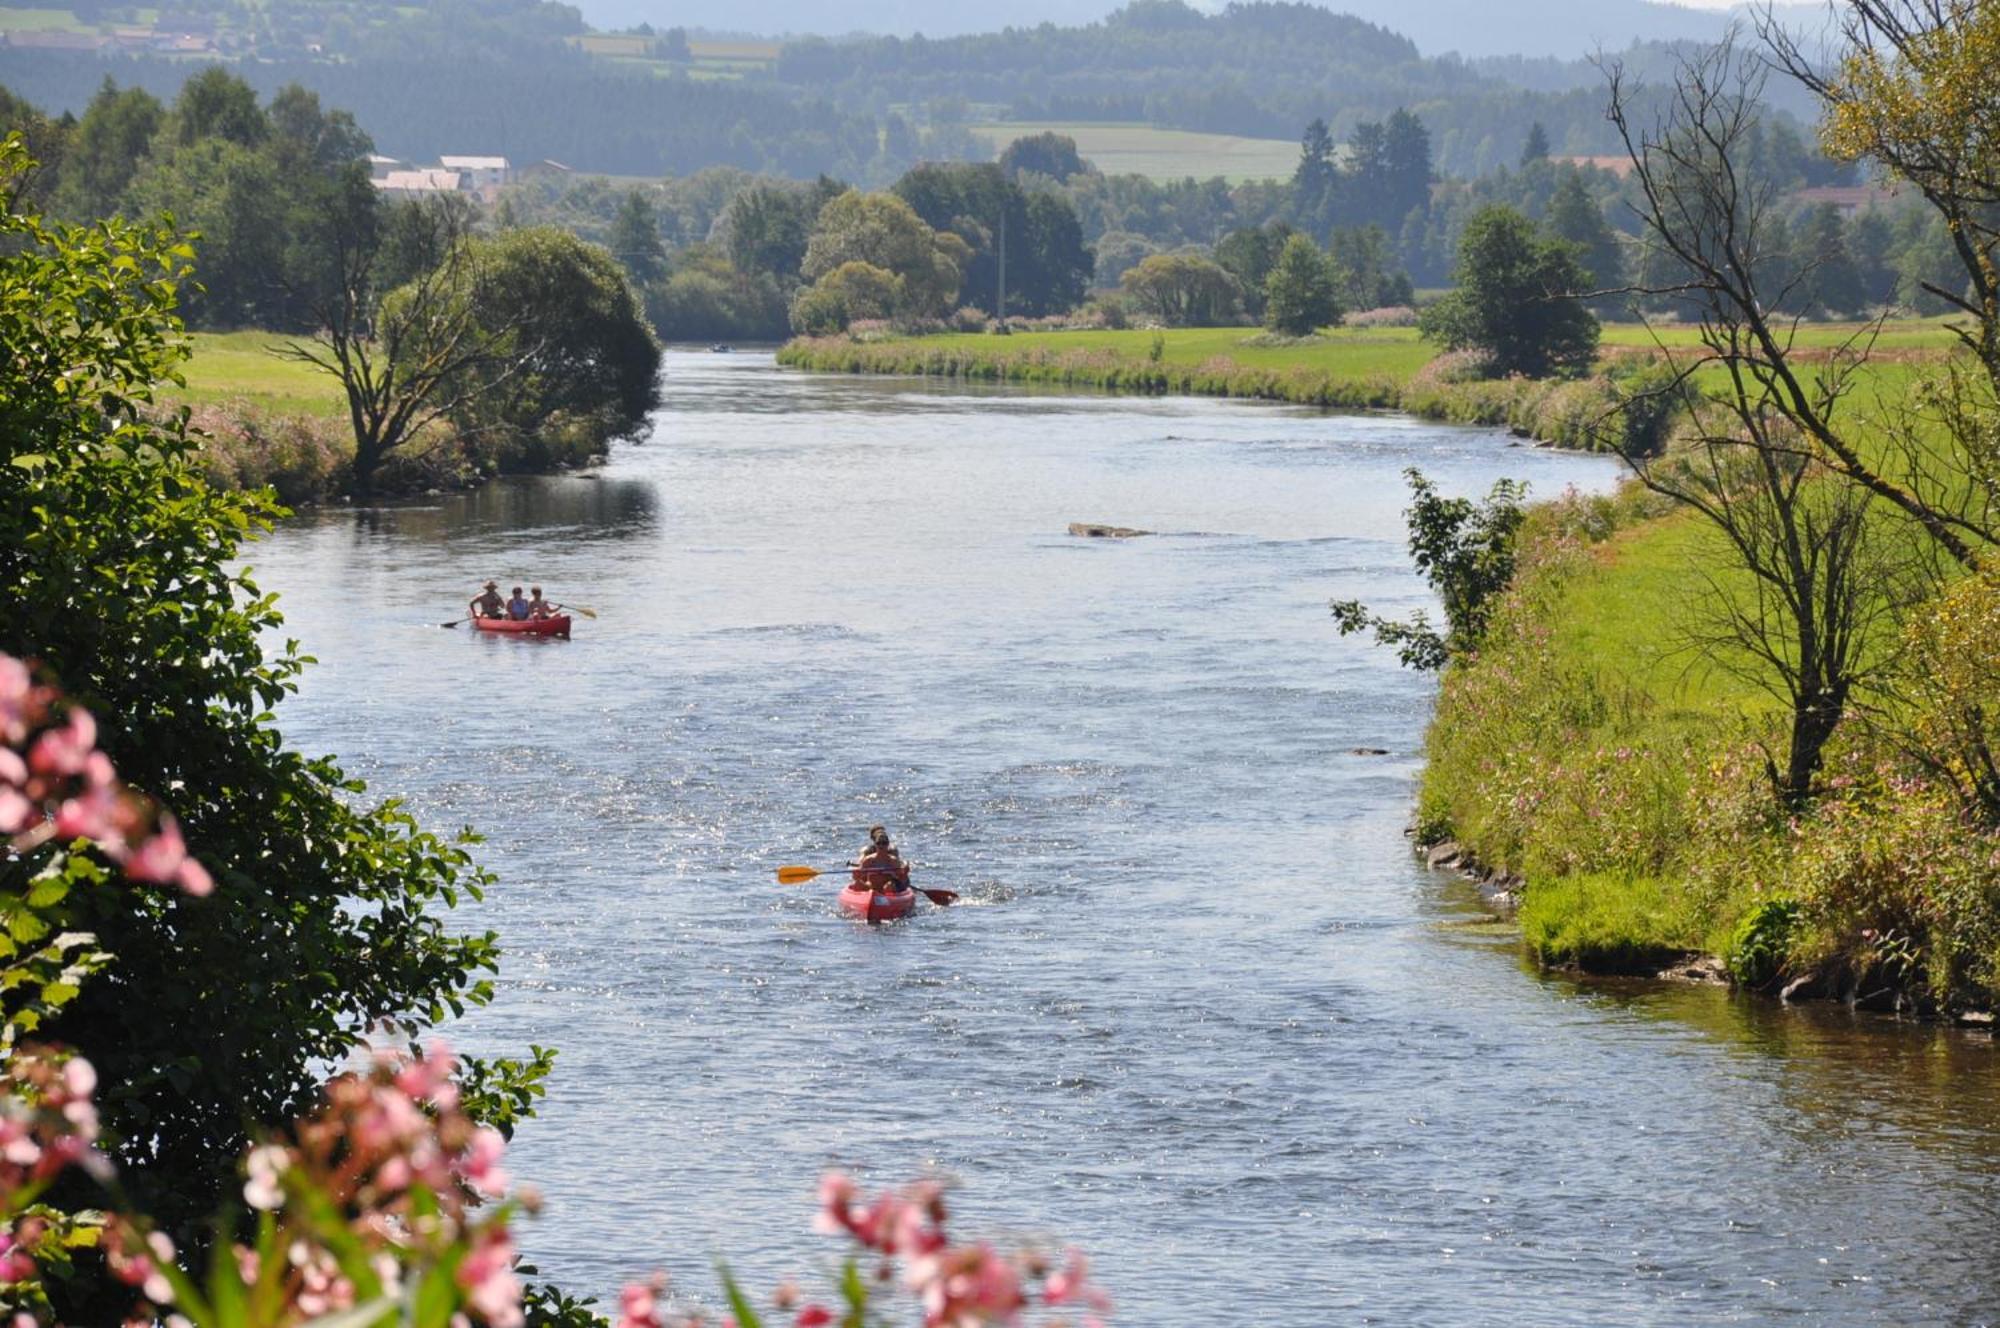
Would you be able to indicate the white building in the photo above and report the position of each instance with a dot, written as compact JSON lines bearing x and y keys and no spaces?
{"x":483,"y":175}
{"x":379,"y":166}
{"x":419,"y":184}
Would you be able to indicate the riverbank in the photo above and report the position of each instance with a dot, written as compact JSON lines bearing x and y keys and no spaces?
{"x":1607,"y":766}
{"x":1353,"y":368}
{"x":273,"y":422}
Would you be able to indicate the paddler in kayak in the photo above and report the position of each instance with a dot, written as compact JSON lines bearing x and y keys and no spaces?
{"x":488,"y":604}
{"x":880,"y":867}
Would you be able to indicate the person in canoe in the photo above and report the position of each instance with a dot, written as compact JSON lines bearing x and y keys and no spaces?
{"x":880,"y":867}
{"x":517,"y":607}
{"x":539,"y":608}
{"x":488,"y":604}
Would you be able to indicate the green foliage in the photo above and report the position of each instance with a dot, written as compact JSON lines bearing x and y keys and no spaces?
{"x":1248,"y":254}
{"x":852,"y":291}
{"x":570,"y":330}
{"x":1050,"y":154}
{"x":1576,"y":218}
{"x":1606,"y":923}
{"x":706,"y":298}
{"x":1515,"y":300}
{"x":1183,"y":290}
{"x":1466,"y":552}
{"x":120,"y":571}
{"x":1367,"y":269}
{"x":1048,"y":266}
{"x":635,"y":239}
{"x":1757,"y":950}
{"x":1301,"y":293}
{"x":884,"y":232}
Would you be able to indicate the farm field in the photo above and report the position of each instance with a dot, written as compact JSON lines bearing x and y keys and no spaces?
{"x":240,"y":366}
{"x":1159,"y":154}
{"x":38,"y":20}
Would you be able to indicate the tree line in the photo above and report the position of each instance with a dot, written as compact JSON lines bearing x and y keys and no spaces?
{"x":504,"y":349}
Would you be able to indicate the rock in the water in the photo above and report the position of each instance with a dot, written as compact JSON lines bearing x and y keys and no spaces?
{"x":1370,"y":751}
{"x":1092,"y":530}
{"x":1442,"y":855}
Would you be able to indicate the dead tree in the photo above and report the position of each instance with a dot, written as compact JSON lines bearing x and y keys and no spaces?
{"x":1705,"y":220}
{"x":1763,"y":460}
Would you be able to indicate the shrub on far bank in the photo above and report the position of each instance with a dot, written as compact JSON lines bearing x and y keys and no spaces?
{"x":303,"y":458}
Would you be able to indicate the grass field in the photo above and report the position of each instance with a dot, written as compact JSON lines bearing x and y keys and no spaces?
{"x":230,"y":366}
{"x":1160,"y":154}
{"x":39,"y":20}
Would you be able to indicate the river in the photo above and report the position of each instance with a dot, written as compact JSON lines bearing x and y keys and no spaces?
{"x":1200,"y":1012}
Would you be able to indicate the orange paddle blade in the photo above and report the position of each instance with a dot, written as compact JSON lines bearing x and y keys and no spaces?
{"x":793,"y":875}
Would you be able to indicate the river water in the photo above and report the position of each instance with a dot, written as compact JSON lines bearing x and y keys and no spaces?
{"x":1200,"y":1012}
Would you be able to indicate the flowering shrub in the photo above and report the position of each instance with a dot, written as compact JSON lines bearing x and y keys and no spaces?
{"x":56,"y":786}
{"x":1390,"y":315}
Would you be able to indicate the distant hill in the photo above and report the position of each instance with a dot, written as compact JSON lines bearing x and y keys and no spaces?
{"x":1563,"y":28}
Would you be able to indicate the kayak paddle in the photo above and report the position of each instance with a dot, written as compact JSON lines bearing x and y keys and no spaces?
{"x":794,"y":875}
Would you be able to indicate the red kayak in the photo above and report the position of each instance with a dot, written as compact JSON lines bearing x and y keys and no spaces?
{"x":556,"y":626}
{"x":876,"y":905}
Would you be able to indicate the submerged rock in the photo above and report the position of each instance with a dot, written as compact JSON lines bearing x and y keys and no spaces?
{"x":1092,"y":530}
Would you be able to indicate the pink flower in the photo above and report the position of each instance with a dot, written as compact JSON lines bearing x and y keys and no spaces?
{"x":487,"y":1275}
{"x":65,"y":750}
{"x":481,"y":1164}
{"x":640,"y":1304}
{"x":813,"y":1316}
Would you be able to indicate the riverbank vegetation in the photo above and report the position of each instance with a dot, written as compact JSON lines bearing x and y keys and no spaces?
{"x":1745,"y":709}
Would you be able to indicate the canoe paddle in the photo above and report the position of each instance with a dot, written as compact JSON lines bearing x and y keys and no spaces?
{"x":794,"y":875}
{"x":567,"y":608}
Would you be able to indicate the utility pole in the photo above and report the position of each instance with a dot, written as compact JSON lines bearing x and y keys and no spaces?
{"x":1002,"y":294}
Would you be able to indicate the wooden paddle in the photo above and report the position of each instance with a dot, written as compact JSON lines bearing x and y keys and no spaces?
{"x":588,"y":613}
{"x":794,"y":875}
{"x":455,"y":624}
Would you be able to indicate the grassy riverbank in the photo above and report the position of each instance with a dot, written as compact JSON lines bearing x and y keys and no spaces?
{"x":1346,"y":368}
{"x":1605,"y":748}
{"x":272,"y":421}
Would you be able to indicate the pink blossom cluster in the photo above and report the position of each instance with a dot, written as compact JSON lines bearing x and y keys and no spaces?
{"x":48,"y":1122}
{"x":960,"y":1286}
{"x":395,"y":1154}
{"x":55,"y":784}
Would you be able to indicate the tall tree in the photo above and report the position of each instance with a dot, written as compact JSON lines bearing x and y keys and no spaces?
{"x":1537,"y":147}
{"x":217,"y":104}
{"x":1050,"y":154}
{"x":106,"y":150}
{"x":1829,"y":281}
{"x":634,"y":239}
{"x":1516,"y":299}
{"x":1575,"y":218}
{"x":883,"y":231}
{"x":1301,"y":293}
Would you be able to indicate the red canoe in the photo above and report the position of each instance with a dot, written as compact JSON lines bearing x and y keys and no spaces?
{"x":556,"y":626}
{"x":876,"y":905}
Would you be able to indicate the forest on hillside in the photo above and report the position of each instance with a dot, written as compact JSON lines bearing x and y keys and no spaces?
{"x":464,"y":77}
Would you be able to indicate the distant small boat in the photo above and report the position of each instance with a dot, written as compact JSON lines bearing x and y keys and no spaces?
{"x":556,"y":626}
{"x":722,"y":348}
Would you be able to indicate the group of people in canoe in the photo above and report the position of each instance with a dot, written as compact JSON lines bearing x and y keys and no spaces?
{"x":489,"y":604}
